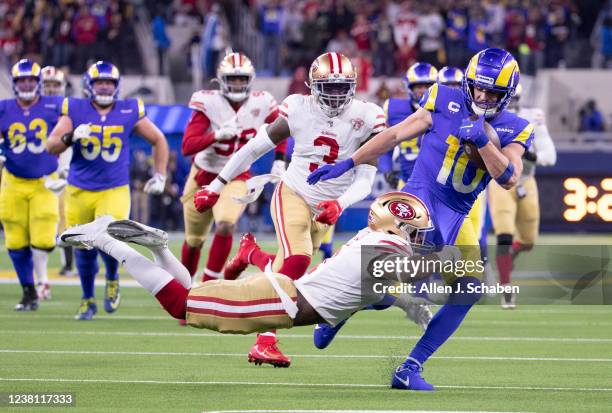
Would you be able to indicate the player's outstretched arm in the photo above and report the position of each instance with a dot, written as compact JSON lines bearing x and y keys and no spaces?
{"x":61,"y":136}
{"x":411,"y":127}
{"x":505,"y":166}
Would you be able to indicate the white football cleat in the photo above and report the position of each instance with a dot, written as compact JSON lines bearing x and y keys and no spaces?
{"x":83,"y":236}
{"x":508,"y":301}
{"x":131,"y":231}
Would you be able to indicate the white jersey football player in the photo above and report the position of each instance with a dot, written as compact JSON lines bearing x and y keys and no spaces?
{"x":327,"y":126}
{"x":516,"y":213}
{"x":340,"y":286}
{"x":222,"y":122}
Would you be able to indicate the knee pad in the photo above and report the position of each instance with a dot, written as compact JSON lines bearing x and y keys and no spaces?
{"x":504,"y":243}
{"x":224,"y":228}
{"x":466,"y":291}
{"x":87,"y":262}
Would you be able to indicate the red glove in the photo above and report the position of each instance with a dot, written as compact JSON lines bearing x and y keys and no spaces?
{"x":205,"y":199}
{"x":331,"y":212}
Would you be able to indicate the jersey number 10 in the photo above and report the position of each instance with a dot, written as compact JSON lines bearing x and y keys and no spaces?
{"x":460,"y":165}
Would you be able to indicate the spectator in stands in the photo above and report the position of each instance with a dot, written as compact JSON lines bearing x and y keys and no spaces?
{"x":431,"y":29}
{"x":140,"y":173}
{"x":342,"y":43}
{"x":85,"y":30}
{"x":405,"y":34}
{"x":495,"y":12}
{"x":314,"y":32}
{"x":294,"y":37}
{"x":591,"y":119}
{"x":298,"y":82}
{"x":382,"y":45}
{"x":162,"y":41}
{"x":456,"y":34}
{"x":557,"y":35}
{"x":360,"y":32}
{"x":601,"y":38}
{"x":477,"y":30}
{"x":62,"y":27}
{"x":11,"y":46}
{"x":214,"y":40}
{"x":271,"y":18}
{"x":341,"y":15}
{"x":531,"y":51}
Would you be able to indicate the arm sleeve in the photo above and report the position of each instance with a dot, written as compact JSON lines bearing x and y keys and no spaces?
{"x":361,"y":186}
{"x":196,"y":136}
{"x":542,"y":142}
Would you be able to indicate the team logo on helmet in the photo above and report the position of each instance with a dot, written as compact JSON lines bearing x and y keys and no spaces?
{"x":402,"y":210}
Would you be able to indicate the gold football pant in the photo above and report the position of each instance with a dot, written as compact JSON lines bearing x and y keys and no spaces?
{"x":197,"y":225}
{"x":296,"y":230}
{"x":29,"y":212}
{"x":240,"y":306}
{"x":514,"y":215}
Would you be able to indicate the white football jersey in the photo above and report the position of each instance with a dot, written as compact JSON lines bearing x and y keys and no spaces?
{"x":321,"y":140}
{"x":249,"y":117}
{"x":336,"y":288}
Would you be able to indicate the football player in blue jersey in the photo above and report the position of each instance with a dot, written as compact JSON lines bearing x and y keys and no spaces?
{"x":419,"y":77}
{"x":447,"y":180}
{"x":98,"y":128}
{"x":28,"y":210}
{"x":450,"y":76}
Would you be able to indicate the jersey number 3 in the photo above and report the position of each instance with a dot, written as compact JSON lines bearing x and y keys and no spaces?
{"x":334,"y":149}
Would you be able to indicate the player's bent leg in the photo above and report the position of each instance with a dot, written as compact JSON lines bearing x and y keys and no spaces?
{"x":248,"y":253}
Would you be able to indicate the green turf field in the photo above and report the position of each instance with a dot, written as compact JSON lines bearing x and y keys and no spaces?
{"x":535,"y":359}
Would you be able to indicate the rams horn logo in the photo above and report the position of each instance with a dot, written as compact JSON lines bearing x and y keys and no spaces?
{"x":402,"y":210}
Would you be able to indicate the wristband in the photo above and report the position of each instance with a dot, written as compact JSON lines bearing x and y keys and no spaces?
{"x":67,"y":139}
{"x":506,"y":175}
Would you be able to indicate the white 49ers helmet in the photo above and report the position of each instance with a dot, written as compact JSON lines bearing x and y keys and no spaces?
{"x":236,"y":74}
{"x":332,"y":82}
{"x":53,"y":81}
{"x":401,"y":214}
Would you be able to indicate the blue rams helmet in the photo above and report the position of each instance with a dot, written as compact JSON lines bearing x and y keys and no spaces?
{"x":22,"y":69}
{"x":420,"y":73}
{"x":102,"y":71}
{"x":494,"y":70}
{"x":450,"y":76}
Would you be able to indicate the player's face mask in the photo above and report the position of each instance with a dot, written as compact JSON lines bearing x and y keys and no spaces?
{"x":52,"y":88}
{"x":104,"y":92}
{"x":419,"y":90}
{"x":333,"y":97}
{"x":485,"y":102}
{"x":237,"y":87}
{"x":26,"y":88}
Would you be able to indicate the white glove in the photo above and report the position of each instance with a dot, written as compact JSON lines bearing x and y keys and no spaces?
{"x":449,"y":253}
{"x":55,"y":185}
{"x":155,"y":185}
{"x":278,"y":168}
{"x":228,"y":130}
{"x":83,"y":131}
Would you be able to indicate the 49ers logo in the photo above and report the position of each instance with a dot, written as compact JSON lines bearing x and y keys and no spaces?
{"x":357,"y":123}
{"x":402,"y":210}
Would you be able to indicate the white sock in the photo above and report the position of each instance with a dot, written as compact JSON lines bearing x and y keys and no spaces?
{"x":145,"y":272}
{"x":268,"y":334}
{"x":166,"y":259}
{"x":40,"y":258}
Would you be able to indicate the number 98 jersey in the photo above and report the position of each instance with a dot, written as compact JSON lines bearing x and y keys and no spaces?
{"x":25,"y":134}
{"x":321,"y":140}
{"x":102,"y":161}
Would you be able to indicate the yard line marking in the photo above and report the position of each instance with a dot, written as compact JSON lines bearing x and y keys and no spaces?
{"x":351,"y":411}
{"x":256,"y":383}
{"x":301,"y":336}
{"x":318,"y":356}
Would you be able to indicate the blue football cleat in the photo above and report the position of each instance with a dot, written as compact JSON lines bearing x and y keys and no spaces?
{"x":87,"y":309}
{"x":112,"y":296}
{"x":408,"y":377}
{"x":324,"y":334}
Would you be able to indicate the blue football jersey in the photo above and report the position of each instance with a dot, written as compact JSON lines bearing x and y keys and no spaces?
{"x":442,"y":164}
{"x":102,"y":161}
{"x":25,"y":134}
{"x":397,"y":110}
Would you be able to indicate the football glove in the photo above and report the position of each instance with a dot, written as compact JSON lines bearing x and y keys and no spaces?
{"x":227,"y":131}
{"x":83,"y":131}
{"x":155,"y":185}
{"x":278,"y":168}
{"x":331,"y":212}
{"x":473,"y":131}
{"x":330,"y":171}
{"x":205,"y":199}
{"x":55,"y":185}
